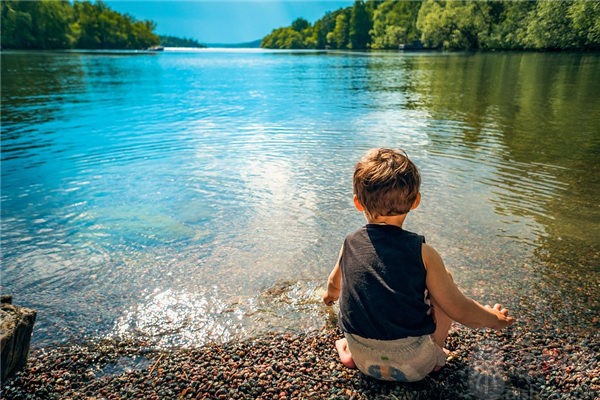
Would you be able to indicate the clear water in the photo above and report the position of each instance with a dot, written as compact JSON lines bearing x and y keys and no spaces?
{"x":184,"y":197}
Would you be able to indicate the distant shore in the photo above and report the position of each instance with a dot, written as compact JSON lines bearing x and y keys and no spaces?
{"x":516,"y":364}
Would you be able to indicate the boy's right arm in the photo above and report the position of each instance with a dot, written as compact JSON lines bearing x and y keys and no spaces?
{"x":459,"y":307}
{"x":334,"y":283}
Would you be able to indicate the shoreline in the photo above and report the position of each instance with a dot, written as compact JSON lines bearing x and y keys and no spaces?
{"x":518,"y":363}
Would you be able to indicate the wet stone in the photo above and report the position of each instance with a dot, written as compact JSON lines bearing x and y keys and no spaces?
{"x":482,"y":364}
{"x":16,"y":327}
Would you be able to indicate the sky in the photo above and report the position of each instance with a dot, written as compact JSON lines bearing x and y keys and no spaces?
{"x":224,"y":21}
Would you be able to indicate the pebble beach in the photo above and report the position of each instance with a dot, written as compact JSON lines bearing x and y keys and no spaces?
{"x":518,"y":363}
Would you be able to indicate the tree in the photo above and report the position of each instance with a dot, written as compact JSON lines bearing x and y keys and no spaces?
{"x":338,"y":38}
{"x":16,"y":26}
{"x":452,"y":24}
{"x":300,"y":24}
{"x":43,"y":24}
{"x":283,"y":38}
{"x":394,"y":23}
{"x":322,"y":27}
{"x":87,"y":16}
{"x":549,"y":27}
{"x":292,"y":40}
{"x":173,"y":41}
{"x":360,"y":25}
{"x":51,"y":24}
{"x":558,"y":25}
{"x":585,"y":17}
{"x":509,"y":28}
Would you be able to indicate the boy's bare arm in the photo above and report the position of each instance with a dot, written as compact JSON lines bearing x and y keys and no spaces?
{"x":459,"y":307}
{"x":334,"y":283}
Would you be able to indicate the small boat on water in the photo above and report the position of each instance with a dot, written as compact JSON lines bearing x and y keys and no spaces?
{"x":155,"y":48}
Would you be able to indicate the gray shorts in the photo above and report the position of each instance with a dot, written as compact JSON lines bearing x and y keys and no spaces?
{"x":402,"y":360}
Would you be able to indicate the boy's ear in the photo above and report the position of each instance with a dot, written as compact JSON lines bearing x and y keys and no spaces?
{"x":357,"y":204}
{"x":416,"y":202}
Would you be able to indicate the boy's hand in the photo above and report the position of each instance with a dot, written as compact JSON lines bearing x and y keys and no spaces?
{"x":503,"y":319}
{"x":328,"y":299}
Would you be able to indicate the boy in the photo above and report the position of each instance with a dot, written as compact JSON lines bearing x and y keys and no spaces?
{"x":397,"y":300}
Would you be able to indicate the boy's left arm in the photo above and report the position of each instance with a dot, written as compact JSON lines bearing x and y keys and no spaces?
{"x":334,"y":283}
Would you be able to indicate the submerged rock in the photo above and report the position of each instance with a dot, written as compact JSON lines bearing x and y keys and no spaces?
{"x":16,"y":326}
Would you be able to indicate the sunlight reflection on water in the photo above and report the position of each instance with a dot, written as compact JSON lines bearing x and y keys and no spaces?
{"x":178,"y":318}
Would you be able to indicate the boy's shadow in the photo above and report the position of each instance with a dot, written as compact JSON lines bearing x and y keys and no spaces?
{"x":456,"y":380}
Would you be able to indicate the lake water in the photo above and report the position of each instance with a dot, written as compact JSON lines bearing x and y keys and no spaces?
{"x":190,"y":196}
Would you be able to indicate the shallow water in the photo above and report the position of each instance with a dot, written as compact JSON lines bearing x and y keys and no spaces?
{"x":184,"y":197}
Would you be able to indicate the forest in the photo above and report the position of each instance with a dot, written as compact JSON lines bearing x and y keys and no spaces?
{"x":450,"y":25}
{"x":173,"y":41}
{"x":52,"y":24}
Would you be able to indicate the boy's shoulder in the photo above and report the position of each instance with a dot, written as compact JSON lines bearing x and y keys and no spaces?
{"x":380,"y":230}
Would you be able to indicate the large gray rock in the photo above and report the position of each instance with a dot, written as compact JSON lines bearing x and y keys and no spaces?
{"x":16,"y":326}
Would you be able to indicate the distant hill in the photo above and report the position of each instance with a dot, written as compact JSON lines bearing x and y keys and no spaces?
{"x":246,"y":45}
{"x":172,"y":41}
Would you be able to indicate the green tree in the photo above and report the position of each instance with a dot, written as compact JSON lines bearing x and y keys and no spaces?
{"x":283,"y":38}
{"x":16,"y":26}
{"x":87,"y":17}
{"x":300,"y":24}
{"x":394,"y":23}
{"x":549,"y":26}
{"x":322,"y":27}
{"x":556,"y":25}
{"x":51,"y":24}
{"x":292,"y":40}
{"x":585,"y":17}
{"x":509,"y":26}
{"x":452,"y":24}
{"x":338,"y":38}
{"x":43,"y":24}
{"x":173,"y":41}
{"x":270,"y":40}
{"x":360,"y":25}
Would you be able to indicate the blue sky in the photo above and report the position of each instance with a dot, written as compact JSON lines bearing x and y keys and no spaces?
{"x":224,"y":21}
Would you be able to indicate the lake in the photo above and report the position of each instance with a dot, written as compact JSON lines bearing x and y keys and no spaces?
{"x":193,"y":196}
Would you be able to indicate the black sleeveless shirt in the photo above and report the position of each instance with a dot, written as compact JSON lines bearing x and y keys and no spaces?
{"x":383,"y":284}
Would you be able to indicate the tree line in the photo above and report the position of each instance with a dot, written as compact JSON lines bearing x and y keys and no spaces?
{"x":173,"y":41}
{"x":51,"y":24}
{"x":454,"y":24}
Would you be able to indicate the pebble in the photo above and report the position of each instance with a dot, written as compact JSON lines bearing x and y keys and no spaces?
{"x":524,"y":363}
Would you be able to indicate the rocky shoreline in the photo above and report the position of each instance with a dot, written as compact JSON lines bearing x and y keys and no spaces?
{"x":518,"y":363}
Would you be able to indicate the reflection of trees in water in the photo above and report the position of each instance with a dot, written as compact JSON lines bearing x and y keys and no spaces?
{"x":545,"y":112}
{"x":34,"y":88}
{"x":35,"y":83}
{"x":398,"y":78}
{"x":534,"y":118}
{"x":41,"y":89}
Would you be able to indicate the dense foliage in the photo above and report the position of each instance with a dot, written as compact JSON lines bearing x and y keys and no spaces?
{"x":454,"y":24}
{"x":172,"y":41}
{"x":51,"y":24}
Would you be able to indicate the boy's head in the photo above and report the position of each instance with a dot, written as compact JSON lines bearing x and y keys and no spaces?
{"x":386,"y":182}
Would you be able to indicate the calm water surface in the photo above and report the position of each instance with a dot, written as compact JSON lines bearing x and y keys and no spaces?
{"x":193,"y":196}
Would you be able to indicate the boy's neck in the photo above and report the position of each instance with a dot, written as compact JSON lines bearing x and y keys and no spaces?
{"x":396,"y":220}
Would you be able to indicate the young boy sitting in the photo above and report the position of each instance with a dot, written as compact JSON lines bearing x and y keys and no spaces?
{"x":397,"y":299}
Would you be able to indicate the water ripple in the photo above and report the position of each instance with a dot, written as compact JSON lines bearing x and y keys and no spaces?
{"x":195,"y":196}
